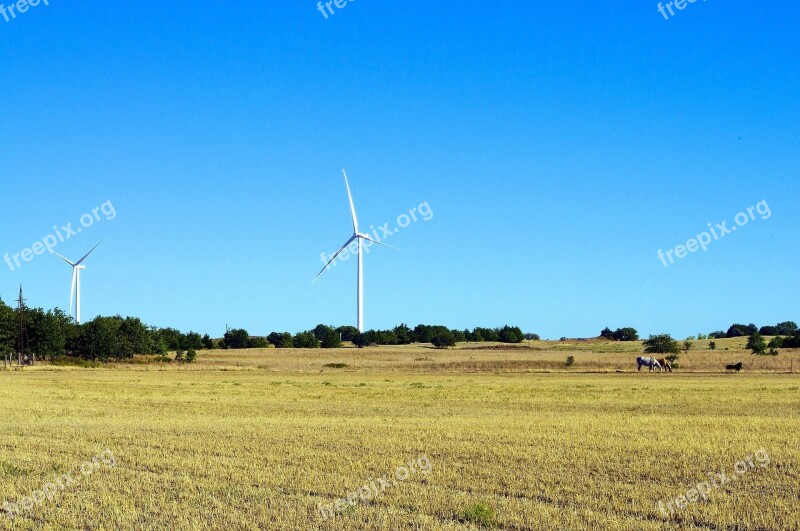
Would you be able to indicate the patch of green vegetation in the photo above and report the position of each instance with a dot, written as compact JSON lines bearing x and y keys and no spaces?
{"x":480,"y":514}
{"x":8,"y":469}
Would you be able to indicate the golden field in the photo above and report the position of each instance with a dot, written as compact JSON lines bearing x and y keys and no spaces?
{"x":257,"y":439}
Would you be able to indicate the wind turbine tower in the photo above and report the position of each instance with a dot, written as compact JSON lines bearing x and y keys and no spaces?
{"x":358,"y":237}
{"x":75,"y":290}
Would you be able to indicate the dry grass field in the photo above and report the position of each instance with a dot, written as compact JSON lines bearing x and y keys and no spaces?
{"x":515,"y":440}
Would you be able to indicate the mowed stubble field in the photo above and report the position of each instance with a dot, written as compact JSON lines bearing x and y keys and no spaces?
{"x":257,"y":439}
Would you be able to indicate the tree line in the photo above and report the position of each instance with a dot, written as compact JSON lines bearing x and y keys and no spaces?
{"x":787,"y":328}
{"x":324,"y":336}
{"x":54,"y":334}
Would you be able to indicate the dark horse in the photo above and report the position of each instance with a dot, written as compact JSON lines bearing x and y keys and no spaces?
{"x":736,"y":367}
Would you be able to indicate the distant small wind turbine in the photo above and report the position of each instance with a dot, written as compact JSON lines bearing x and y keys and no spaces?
{"x":359,"y":237}
{"x":75,"y":290}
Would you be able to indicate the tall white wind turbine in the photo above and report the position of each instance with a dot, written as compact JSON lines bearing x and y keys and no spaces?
{"x":75,"y":290}
{"x":357,"y":236}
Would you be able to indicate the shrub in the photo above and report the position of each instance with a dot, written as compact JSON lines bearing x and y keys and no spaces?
{"x":480,"y":514}
{"x":712,"y":345}
{"x":570,"y":361}
{"x":179,"y":356}
{"x":191,"y":356}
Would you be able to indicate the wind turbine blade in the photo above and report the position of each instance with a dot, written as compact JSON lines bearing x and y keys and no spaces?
{"x":72,"y":289}
{"x":352,"y":206}
{"x":379,"y":243}
{"x":67,"y":261}
{"x":334,"y":257}
{"x":79,"y":262}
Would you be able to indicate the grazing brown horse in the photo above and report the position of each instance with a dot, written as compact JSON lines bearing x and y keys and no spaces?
{"x":665,"y":364}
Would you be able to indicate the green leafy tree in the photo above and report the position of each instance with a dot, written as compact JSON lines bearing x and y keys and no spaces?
{"x":168,"y":336}
{"x":281,"y":339}
{"x":769,"y":331}
{"x":208,"y":343}
{"x":348,"y":333}
{"x":486,"y":334}
{"x":626,"y":334}
{"x":740,"y":330}
{"x":661,"y":344}
{"x":99,"y":340}
{"x":192,"y":340}
{"x":7,"y":328}
{"x":133,"y":338}
{"x":423,"y":333}
{"x":791,"y":342}
{"x":258,"y":342}
{"x":443,"y":339}
{"x":46,"y":337}
{"x":687,"y":346}
{"x":756,"y":344}
{"x":405,"y":336}
{"x":320,"y":331}
{"x":330,"y":338}
{"x":191,"y":356}
{"x":306,"y":340}
{"x":236,"y":339}
{"x":510,"y":334}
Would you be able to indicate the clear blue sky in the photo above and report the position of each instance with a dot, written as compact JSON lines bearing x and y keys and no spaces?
{"x":559,"y":145}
